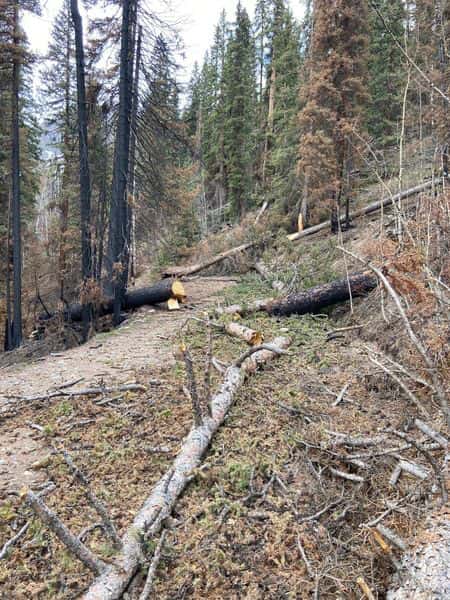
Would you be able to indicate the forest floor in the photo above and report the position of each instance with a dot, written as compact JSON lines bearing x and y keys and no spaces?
{"x":266,"y":517}
{"x":147,"y":339}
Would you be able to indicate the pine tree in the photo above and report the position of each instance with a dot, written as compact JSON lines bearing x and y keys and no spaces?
{"x":282,"y":133}
{"x":430,"y":25}
{"x":215,"y":116}
{"x":60,"y":93}
{"x":386,"y":72}
{"x":14,"y":60}
{"x":158,"y":141}
{"x":239,"y":132}
{"x":191,"y":113}
{"x":333,"y":103}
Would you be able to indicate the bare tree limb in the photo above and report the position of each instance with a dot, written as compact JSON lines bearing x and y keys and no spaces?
{"x":72,"y":543}
{"x":148,"y":588}
{"x":97,"y":504}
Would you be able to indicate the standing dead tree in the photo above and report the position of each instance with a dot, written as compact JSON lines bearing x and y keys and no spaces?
{"x":84,"y":170}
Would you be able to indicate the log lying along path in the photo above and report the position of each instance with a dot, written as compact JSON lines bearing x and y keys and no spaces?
{"x":160,"y":292}
{"x":115,"y":578}
{"x":310,"y":301}
{"x":192,"y":269}
{"x":367,"y":210}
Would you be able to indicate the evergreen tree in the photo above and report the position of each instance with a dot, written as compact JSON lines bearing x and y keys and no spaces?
{"x":191,"y":113}
{"x":60,"y":93}
{"x":333,"y":102}
{"x":214,"y":116}
{"x":158,"y":142}
{"x":282,"y":134}
{"x":239,"y":131}
{"x":386,"y":72}
{"x":14,"y":60}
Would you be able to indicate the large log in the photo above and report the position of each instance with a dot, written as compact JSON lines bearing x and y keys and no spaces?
{"x":367,"y":210}
{"x":158,"y":293}
{"x":313,"y":300}
{"x":192,"y":269}
{"x":322,"y":296}
{"x":112,"y":583}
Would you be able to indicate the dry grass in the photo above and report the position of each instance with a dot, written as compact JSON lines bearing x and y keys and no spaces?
{"x":240,"y":528}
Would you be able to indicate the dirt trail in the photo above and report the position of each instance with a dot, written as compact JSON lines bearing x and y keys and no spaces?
{"x":146,"y":339}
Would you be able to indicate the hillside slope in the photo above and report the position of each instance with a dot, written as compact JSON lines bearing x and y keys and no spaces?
{"x":286,"y":501}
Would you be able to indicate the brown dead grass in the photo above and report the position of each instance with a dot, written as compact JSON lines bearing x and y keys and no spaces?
{"x":236,"y":531}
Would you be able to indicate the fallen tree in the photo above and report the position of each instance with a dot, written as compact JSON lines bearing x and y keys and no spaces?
{"x":192,"y":269}
{"x":313,"y":300}
{"x":266,"y":274}
{"x":367,"y":210}
{"x":115,"y":578}
{"x":163,"y":291}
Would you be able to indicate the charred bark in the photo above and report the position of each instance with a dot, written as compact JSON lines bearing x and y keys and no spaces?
{"x":84,"y":171}
{"x":322,"y":296}
{"x":118,"y":252}
{"x":310,"y":301}
{"x":16,"y":338}
{"x":156,"y":294}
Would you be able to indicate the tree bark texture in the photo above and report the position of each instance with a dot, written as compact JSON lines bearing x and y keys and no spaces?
{"x":118,"y":251}
{"x":159,"y":505}
{"x":156,"y":294}
{"x":310,"y":301}
{"x":322,"y":296}
{"x":15,"y":191}
{"x":84,"y":171}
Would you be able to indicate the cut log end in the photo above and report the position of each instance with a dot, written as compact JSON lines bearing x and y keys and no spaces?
{"x":178,"y":291}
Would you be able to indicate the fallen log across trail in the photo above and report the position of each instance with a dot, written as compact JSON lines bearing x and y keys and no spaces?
{"x":163,"y":291}
{"x":367,"y":210}
{"x":192,"y":269}
{"x":310,"y":301}
{"x":116,"y":577}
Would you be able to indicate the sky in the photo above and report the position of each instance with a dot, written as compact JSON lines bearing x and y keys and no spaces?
{"x":198,"y":17}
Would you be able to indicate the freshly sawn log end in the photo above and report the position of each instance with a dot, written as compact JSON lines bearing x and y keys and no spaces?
{"x":178,"y":291}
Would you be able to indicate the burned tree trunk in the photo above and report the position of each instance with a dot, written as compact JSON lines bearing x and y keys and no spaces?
{"x":322,"y":296}
{"x":156,"y":294}
{"x":313,"y":300}
{"x":118,"y":252}
{"x":84,"y":171}
{"x":15,"y":190}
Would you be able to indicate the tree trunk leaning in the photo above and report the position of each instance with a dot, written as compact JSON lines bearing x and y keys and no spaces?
{"x":192,"y":269}
{"x":367,"y":210}
{"x":112,"y":583}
